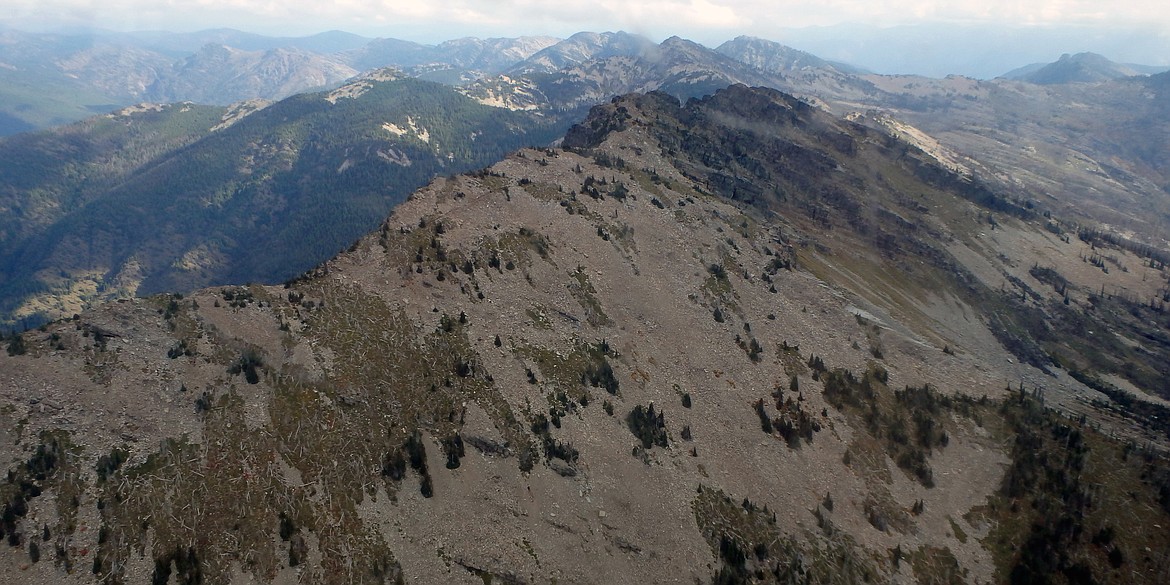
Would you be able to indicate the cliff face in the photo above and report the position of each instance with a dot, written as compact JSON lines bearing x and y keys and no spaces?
{"x":734,"y":339}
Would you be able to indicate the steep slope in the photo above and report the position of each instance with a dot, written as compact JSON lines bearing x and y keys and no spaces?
{"x":616,"y":363}
{"x":305,"y":176}
{"x":824,"y":179}
{"x":50,"y":174}
{"x":1088,"y":151}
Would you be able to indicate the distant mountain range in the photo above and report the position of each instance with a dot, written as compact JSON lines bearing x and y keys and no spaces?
{"x":236,"y":169}
{"x":47,"y":80}
{"x":582,"y":47}
{"x":50,"y":79}
{"x":971,"y":50}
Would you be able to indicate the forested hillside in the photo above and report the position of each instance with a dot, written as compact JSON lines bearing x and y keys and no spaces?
{"x":259,"y":200}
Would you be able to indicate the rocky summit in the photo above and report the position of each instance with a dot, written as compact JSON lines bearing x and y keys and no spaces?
{"x":731,"y":340}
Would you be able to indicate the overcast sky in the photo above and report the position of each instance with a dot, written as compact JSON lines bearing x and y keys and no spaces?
{"x":436,"y":20}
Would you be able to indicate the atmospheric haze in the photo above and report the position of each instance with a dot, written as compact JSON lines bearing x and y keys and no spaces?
{"x":928,"y":37}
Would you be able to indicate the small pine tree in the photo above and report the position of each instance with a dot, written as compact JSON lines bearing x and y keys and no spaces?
{"x":16,"y":345}
{"x":755,"y":350}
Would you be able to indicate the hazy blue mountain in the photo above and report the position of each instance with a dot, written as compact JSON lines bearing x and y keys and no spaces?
{"x":219,"y":74}
{"x":47,"y":79}
{"x":979,"y":51}
{"x":1078,"y":68}
{"x":583,"y":47}
{"x":465,"y":54}
{"x":384,"y":52}
{"x":182,"y":44}
{"x":37,"y":92}
{"x":770,"y":56}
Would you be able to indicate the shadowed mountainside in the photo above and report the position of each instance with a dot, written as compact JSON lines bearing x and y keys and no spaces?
{"x":263,"y":195}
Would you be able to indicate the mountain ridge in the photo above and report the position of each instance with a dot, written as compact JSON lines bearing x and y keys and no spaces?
{"x":642,"y":354}
{"x":998,"y":131}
